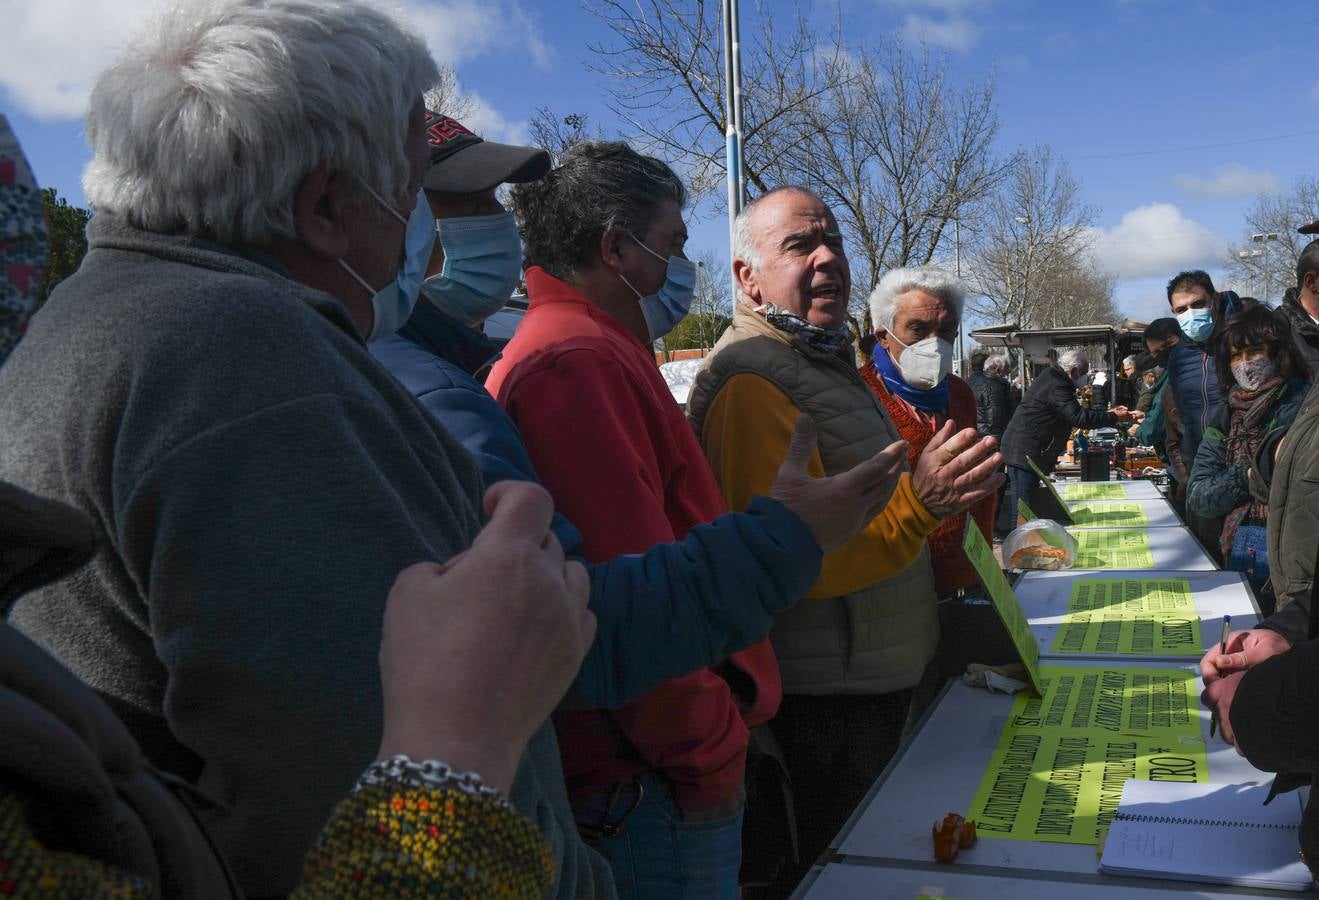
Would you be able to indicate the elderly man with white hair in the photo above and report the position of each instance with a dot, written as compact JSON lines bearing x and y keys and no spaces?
{"x":851,"y":652}
{"x":202,"y":389}
{"x":916,"y":314}
{"x":1048,"y":413}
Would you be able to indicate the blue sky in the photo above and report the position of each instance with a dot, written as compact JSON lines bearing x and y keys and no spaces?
{"x":1111,"y":85}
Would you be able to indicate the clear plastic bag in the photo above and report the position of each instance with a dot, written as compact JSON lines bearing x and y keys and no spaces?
{"x":1039,"y":544}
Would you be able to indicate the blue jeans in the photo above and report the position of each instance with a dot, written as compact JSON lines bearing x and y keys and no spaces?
{"x":658,"y":856}
{"x":1020,"y":481}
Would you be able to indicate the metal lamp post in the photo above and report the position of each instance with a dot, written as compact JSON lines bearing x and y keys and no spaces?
{"x":1263,"y":238}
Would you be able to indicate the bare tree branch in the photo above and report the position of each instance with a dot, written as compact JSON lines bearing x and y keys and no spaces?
{"x":1267,"y":268}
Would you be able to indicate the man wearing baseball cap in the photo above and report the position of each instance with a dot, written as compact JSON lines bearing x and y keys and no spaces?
{"x":709,"y":595}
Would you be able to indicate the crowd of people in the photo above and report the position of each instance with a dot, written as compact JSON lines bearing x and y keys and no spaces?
{"x":309,"y":590}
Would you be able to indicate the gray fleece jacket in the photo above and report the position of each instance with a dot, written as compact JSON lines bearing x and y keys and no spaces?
{"x":259,"y":480}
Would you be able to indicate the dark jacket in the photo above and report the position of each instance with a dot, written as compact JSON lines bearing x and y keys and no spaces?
{"x":1172,"y":439}
{"x":1273,"y":717}
{"x":82,"y":783}
{"x":260,"y":481}
{"x":1145,"y":401}
{"x":1194,"y":379}
{"x":1047,"y":414}
{"x":1304,"y":332}
{"x":710,"y":594}
{"x":1150,"y":432}
{"x":1217,"y":487}
{"x":993,"y":403}
{"x":1291,"y":485}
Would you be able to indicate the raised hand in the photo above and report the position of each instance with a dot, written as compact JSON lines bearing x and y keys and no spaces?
{"x":956,"y":470}
{"x":835,"y":507}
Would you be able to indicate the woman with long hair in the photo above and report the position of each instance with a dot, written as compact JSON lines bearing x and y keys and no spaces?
{"x":1264,"y":380}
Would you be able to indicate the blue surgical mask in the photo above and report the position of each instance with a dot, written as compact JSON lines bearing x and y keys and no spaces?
{"x":667,"y":307}
{"x":1197,"y":324}
{"x":482,"y":262}
{"x":392,"y":305}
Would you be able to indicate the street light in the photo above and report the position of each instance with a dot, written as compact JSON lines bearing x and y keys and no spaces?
{"x":1262,"y":237}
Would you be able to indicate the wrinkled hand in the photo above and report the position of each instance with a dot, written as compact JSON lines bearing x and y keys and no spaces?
{"x":835,"y":507}
{"x":1244,"y":649}
{"x":956,"y":470}
{"x":1218,"y":698}
{"x":477,"y":652}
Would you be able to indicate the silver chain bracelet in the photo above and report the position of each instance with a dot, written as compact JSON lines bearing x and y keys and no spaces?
{"x":400,"y":770}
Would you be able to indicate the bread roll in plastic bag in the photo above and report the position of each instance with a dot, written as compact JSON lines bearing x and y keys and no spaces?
{"x":1039,"y":544}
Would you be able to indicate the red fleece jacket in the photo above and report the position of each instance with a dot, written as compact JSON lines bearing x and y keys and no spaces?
{"x":614,"y":449}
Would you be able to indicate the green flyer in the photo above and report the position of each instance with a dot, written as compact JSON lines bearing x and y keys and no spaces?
{"x":1154,"y":616}
{"x":1048,"y":482}
{"x":1025,"y":511}
{"x":1107,"y":491}
{"x":1127,"y":548}
{"x":1095,"y":514}
{"x":1004,"y":600}
{"x":1058,"y":770}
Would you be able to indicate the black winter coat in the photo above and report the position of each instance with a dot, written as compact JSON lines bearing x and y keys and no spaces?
{"x":1273,"y":717}
{"x":1046,"y":416}
{"x":993,"y":403}
{"x":1304,"y":331}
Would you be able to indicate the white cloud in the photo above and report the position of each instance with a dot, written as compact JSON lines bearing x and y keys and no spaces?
{"x":52,"y":51}
{"x":945,"y":6}
{"x":1314,"y":93}
{"x":954,"y":32}
{"x":459,"y":30}
{"x":1233,"y":180}
{"x":1155,"y":241}
{"x":486,"y":121}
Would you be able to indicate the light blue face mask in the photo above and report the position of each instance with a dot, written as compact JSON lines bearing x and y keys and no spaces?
{"x":1197,"y":324}
{"x":392,"y":305}
{"x":667,"y":307}
{"x":482,"y":262}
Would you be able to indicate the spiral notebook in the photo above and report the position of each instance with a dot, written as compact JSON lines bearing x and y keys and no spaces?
{"x":1216,"y":833}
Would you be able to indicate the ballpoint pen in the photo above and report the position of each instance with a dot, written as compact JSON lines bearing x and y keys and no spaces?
{"x":1222,"y":651}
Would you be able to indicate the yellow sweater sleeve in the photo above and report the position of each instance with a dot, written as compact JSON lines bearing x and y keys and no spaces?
{"x":746,"y":434}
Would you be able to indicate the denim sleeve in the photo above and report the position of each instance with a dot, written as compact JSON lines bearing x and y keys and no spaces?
{"x":679,"y":606}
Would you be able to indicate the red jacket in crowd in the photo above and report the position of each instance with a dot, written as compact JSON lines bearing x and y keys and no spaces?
{"x":614,"y":449}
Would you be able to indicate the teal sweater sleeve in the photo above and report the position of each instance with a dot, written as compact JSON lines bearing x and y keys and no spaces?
{"x":711,"y":594}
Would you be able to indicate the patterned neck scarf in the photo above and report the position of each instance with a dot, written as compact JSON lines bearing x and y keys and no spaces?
{"x":1245,"y":433}
{"x":826,"y":340}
